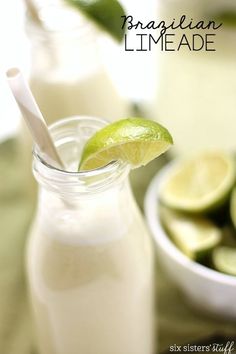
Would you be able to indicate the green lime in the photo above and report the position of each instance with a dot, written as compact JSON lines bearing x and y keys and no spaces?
{"x":194,"y":236}
{"x":105,"y":13}
{"x":201,"y":183}
{"x":233,"y":207}
{"x":228,"y":18}
{"x":133,"y":140}
{"x":224,"y":259}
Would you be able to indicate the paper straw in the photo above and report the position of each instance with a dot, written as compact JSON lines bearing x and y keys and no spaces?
{"x":32,"y":115}
{"x":32,"y":8}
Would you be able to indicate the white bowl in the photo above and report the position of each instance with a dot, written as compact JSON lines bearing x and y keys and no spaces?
{"x":207,"y":289}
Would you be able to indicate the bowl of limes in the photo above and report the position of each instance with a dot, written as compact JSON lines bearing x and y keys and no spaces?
{"x":190,"y":207}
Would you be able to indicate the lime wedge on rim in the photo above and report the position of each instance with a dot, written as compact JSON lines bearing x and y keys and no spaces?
{"x":194,"y":236}
{"x":105,"y":13}
{"x":224,"y":260}
{"x":201,"y":183}
{"x":136,"y":141}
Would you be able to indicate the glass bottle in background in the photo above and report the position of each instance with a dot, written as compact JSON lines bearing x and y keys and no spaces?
{"x":197,"y":90}
{"x":67,"y":75}
{"x":90,"y":267}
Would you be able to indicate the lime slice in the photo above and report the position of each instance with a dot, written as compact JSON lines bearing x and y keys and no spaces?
{"x":200,"y":184}
{"x":224,"y":260}
{"x":233,"y":207}
{"x":133,"y":140}
{"x":194,"y":236}
{"x":105,"y":13}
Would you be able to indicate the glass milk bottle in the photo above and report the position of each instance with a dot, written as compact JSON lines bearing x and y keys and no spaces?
{"x":89,"y":255}
{"x":197,"y":89}
{"x":67,"y":74}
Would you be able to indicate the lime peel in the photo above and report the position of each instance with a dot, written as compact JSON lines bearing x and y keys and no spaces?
{"x":194,"y":236}
{"x":224,"y":260}
{"x":233,"y":207}
{"x":133,"y":140}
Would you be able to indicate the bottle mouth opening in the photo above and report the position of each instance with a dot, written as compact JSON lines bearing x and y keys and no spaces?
{"x":70,"y":135}
{"x":109,"y":167}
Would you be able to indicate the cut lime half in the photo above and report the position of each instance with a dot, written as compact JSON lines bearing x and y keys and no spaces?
{"x":201,"y":183}
{"x":194,"y":236}
{"x":224,"y":260}
{"x":136,"y":141}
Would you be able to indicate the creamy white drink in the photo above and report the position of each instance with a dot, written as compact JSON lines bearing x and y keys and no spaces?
{"x":93,"y":298}
{"x":67,"y":73}
{"x":89,"y":257}
{"x":91,"y":94}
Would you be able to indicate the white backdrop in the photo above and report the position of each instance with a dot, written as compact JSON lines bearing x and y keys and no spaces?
{"x":14,"y":49}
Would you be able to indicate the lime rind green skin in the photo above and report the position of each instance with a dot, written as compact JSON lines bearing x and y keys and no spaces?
{"x":105,"y":13}
{"x":224,"y":260}
{"x":198,"y":255}
{"x":125,"y":131}
{"x":233,"y":207}
{"x":208,"y":210}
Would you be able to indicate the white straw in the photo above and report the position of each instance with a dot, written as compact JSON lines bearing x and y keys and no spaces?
{"x":32,"y":115}
{"x":32,"y":8}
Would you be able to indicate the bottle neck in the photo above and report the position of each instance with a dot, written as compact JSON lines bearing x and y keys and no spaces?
{"x":70,"y":136}
{"x":72,"y":187}
{"x":81,"y":207}
{"x":92,"y":218}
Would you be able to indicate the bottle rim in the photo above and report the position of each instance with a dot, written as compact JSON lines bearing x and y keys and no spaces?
{"x":53,"y":177}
